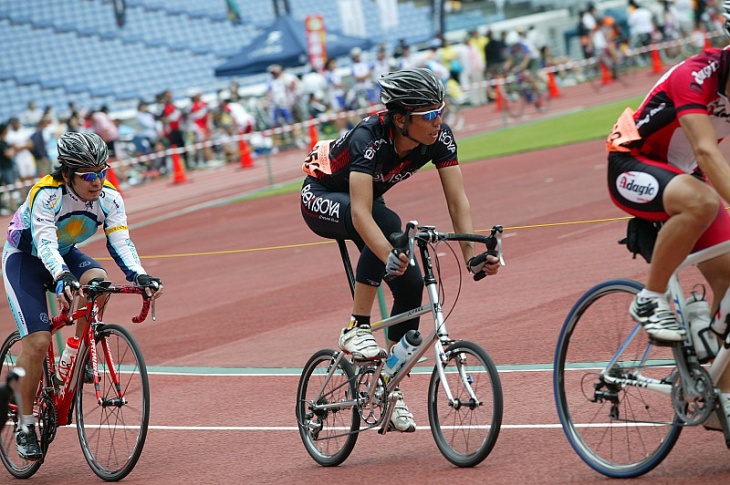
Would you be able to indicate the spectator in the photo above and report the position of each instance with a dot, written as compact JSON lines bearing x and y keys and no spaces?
{"x":336,"y":90}
{"x":476,"y":43}
{"x":7,"y":172}
{"x":641,"y":28}
{"x":362,"y":92}
{"x":19,"y":138}
{"x":40,"y":138}
{"x":586,"y":25}
{"x":200,"y":122}
{"x":171,"y":118}
{"x":31,"y":116}
{"x":495,"y":53}
{"x":281,"y":93}
{"x":149,"y":132}
{"x":406,"y":60}
{"x":382,"y":64}
{"x":102,"y":124}
{"x":313,"y":99}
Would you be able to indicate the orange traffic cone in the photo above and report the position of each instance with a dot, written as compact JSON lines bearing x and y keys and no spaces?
{"x":606,"y":77}
{"x":656,"y":61}
{"x":498,"y":99}
{"x":177,"y":167}
{"x":245,"y":153}
{"x":708,"y":44}
{"x":112,"y":178}
{"x":552,"y":85}
{"x":313,"y":135}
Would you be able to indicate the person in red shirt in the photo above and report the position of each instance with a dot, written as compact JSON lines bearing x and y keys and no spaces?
{"x":171,"y":118}
{"x":199,"y":117}
{"x":664,"y":164}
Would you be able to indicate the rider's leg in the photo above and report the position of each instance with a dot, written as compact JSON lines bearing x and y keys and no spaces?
{"x":101,"y":301}
{"x":692,"y":206}
{"x":34,"y":349}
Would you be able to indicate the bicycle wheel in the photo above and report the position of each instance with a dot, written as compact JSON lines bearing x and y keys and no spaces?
{"x":17,"y":466}
{"x":514,"y":101}
{"x":619,"y":431}
{"x":329,"y":435}
{"x":112,"y":433}
{"x":466,"y":429}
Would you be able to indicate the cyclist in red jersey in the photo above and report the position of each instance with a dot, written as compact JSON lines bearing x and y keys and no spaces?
{"x":342,"y":198}
{"x":664,"y":164}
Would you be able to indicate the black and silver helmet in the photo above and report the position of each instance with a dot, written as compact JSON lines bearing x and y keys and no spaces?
{"x":410,"y":89}
{"x":82,"y":150}
{"x":726,"y":17}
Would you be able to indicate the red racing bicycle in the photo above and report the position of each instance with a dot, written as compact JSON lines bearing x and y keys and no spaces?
{"x":107,"y":390}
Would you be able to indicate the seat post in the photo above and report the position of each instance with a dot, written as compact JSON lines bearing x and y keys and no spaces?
{"x":347,"y":264}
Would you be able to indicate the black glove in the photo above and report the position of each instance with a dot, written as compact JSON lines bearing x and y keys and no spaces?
{"x":66,"y":280}
{"x":146,"y":281}
{"x":476,"y":263}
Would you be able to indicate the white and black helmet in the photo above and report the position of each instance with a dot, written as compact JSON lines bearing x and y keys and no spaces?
{"x":410,"y":89}
{"x":82,"y":150}
{"x":726,"y":17}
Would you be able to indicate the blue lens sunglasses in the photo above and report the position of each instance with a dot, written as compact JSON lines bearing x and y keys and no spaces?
{"x":430,"y":115}
{"x":92,"y":176}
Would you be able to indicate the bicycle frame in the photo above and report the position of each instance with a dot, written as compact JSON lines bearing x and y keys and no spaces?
{"x":719,"y":363}
{"x":439,"y":336}
{"x":64,"y":397}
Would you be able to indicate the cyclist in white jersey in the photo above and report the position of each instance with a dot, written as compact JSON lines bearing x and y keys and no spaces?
{"x":62,"y":209}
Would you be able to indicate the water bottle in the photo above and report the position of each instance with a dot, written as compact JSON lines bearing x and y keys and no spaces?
{"x":699,"y":319}
{"x":401,"y":352}
{"x":68,"y":357}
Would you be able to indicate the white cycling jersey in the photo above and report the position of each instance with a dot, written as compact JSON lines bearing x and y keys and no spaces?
{"x":53,"y":219}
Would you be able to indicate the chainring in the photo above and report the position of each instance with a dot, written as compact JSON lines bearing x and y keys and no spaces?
{"x":47,"y":421}
{"x":371,"y":410}
{"x":694,"y":412}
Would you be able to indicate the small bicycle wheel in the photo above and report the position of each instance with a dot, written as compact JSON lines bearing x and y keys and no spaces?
{"x":112,"y":432}
{"x":514,"y":100}
{"x":621,"y":431}
{"x":466,"y":429}
{"x":17,"y":466}
{"x":329,"y":433}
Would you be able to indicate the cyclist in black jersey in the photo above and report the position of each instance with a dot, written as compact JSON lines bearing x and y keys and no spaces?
{"x":342,"y":198}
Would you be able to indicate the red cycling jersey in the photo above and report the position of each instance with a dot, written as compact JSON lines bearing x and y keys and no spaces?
{"x":692,"y":86}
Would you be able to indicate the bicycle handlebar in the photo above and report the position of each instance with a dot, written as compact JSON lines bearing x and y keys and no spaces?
{"x":97,"y":288}
{"x":405,"y":242}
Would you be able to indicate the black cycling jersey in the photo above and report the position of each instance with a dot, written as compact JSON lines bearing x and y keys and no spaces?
{"x":369,"y":148}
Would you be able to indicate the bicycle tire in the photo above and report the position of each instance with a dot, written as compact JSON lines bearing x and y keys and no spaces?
{"x":112,"y":435}
{"x":514,"y":100}
{"x":631,"y":436}
{"x":340,"y":427}
{"x":16,"y":466}
{"x":466,"y":433}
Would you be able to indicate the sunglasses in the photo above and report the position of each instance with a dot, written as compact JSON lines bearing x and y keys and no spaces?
{"x":430,"y":115}
{"x":92,"y":176}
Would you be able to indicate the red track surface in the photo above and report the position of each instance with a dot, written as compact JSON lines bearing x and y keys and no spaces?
{"x":238,"y":294}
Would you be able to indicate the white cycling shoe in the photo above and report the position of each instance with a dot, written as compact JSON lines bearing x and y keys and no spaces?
{"x":402,"y":419}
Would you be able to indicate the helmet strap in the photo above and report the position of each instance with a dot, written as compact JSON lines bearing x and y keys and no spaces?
{"x":404,"y":131}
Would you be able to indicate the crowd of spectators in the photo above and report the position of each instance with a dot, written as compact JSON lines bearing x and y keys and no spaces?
{"x":206,"y":128}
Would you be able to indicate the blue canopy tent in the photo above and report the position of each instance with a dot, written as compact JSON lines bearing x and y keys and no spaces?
{"x":284,"y":43}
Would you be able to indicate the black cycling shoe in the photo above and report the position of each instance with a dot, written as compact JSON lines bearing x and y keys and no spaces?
{"x":27,"y":444}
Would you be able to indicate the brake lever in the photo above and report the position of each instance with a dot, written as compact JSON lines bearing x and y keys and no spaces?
{"x":495,"y":248}
{"x":411,"y":229}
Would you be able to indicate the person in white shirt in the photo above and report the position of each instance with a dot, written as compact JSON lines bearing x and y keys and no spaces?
{"x":18,"y":138}
{"x":641,"y":27}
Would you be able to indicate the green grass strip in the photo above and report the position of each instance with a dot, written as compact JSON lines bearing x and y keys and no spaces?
{"x":583,"y":125}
